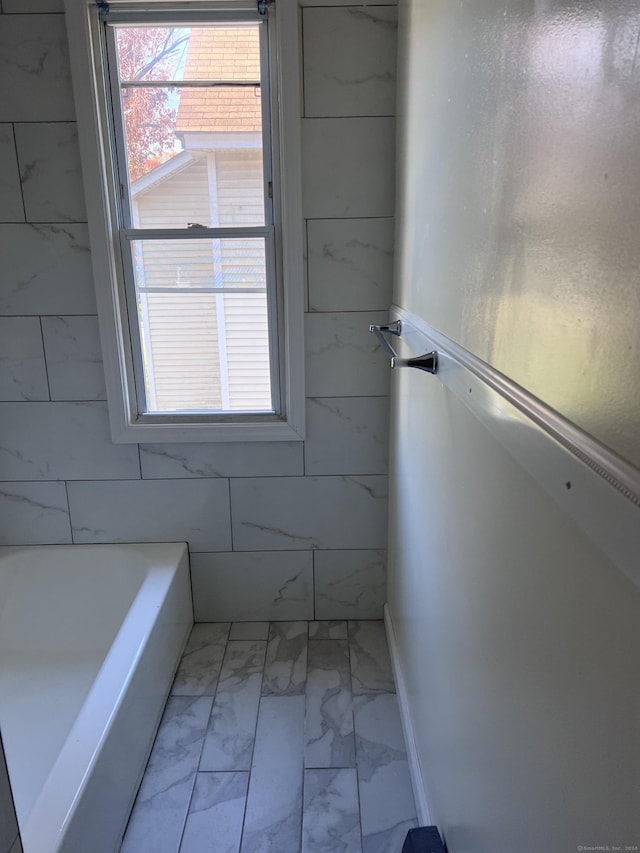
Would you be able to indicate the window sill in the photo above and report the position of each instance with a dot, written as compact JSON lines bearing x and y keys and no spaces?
{"x":140,"y":432}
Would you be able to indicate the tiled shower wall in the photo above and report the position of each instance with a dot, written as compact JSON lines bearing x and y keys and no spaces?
{"x":276,"y":531}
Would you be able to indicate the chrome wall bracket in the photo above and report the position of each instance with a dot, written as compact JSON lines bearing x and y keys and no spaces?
{"x":427,"y":362}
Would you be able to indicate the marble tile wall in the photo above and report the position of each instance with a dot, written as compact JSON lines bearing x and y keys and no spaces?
{"x":276,"y":531}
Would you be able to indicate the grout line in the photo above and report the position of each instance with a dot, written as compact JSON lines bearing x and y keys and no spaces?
{"x":15,"y":146}
{"x":66,"y":491}
{"x":46,"y":365}
{"x":230,"y":515}
{"x":352,"y":311}
{"x":355,"y":738}
{"x":46,"y":121}
{"x":255,"y":732}
{"x":350,"y":117}
{"x":186,"y":817}
{"x":358,"y":5}
{"x":303,"y":90}
{"x":313,"y":591}
{"x":306,"y":238}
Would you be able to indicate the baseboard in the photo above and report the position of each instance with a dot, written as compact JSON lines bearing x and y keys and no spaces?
{"x":417,"y":784}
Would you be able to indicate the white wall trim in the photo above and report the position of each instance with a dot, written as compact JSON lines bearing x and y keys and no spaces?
{"x":600,"y":491}
{"x":415,"y":772}
{"x":92,"y":107}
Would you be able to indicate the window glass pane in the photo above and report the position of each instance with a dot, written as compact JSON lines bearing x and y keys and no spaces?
{"x":203,"y":322}
{"x":200,"y":263}
{"x":216,"y":52}
{"x":193,"y":153}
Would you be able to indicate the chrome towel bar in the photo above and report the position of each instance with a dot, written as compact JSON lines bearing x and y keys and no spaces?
{"x":427,"y":362}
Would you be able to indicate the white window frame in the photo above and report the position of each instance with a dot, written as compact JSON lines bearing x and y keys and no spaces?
{"x":90,"y":84}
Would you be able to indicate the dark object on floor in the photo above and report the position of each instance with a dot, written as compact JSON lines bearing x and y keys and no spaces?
{"x":424,"y":839}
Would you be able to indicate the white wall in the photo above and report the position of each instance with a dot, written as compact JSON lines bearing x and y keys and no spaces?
{"x":300,"y":526}
{"x":517,"y":636}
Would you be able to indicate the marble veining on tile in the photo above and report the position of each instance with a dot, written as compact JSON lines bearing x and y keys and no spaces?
{"x":214,"y":822}
{"x":386,"y":798}
{"x":370,"y":661}
{"x":328,"y":629}
{"x":230,"y":733}
{"x":34,"y":514}
{"x":161,"y":806}
{"x":350,"y":264}
{"x":255,"y":585}
{"x":50,"y":175}
{"x":345,"y":171}
{"x":62,"y":441}
{"x":23,"y":374}
{"x":249,"y":631}
{"x":46,"y":269}
{"x":349,"y":61}
{"x":347,"y":435}
{"x":74,"y":358}
{"x":331,"y":816}
{"x":193,"y":511}
{"x":350,"y":584}
{"x":233,"y":459}
{"x":286,"y":666}
{"x":35,"y":76}
{"x":301,"y":513}
{"x":343,"y":358}
{"x":273,"y":821}
{"x":249,"y":771}
{"x":200,"y":665}
{"x":329,"y":740}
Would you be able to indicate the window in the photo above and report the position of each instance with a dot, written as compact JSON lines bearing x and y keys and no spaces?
{"x":188,"y":116}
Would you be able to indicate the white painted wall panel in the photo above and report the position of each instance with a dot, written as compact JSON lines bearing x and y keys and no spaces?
{"x":514,"y":630}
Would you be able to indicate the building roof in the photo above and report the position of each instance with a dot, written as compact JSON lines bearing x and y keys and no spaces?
{"x":221,"y":53}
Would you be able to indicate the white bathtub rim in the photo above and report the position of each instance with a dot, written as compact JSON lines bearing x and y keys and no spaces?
{"x":44,"y":828}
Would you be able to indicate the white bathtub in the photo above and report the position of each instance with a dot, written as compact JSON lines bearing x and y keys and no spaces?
{"x":90,"y":636}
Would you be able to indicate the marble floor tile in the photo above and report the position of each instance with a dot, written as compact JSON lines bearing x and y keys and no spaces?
{"x":328,"y":629}
{"x":329,"y":740}
{"x":370,"y":661}
{"x":244,"y":766}
{"x":161,"y":806}
{"x":249,"y":631}
{"x":387,"y":805}
{"x":200,"y":665}
{"x":229,"y":741}
{"x":286,"y":666}
{"x":273,"y":819}
{"x":216,"y":813}
{"x":331,"y":815}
